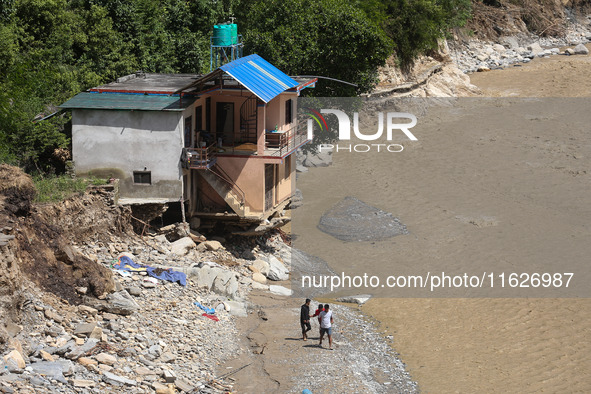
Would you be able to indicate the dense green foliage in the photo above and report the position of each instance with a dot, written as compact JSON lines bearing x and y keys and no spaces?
{"x":52,"y":49}
{"x":323,"y":37}
{"x":416,"y":25}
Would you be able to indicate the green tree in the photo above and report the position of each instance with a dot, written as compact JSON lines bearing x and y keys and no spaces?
{"x":415,"y":26}
{"x":327,"y":38}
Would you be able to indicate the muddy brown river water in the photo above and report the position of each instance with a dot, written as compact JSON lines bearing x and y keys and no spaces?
{"x":477,"y":195}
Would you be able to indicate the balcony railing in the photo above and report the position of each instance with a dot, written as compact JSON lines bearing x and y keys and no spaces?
{"x":200,"y":158}
{"x":279,"y":143}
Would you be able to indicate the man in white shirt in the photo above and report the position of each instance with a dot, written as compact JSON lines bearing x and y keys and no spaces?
{"x":326,"y":322}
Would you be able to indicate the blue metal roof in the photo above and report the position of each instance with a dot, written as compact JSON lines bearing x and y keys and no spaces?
{"x":127,"y":101}
{"x":259,"y":76}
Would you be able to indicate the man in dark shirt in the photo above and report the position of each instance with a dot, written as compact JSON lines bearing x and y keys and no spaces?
{"x":305,"y":319}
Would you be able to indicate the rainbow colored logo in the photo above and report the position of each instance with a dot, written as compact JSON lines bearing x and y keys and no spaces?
{"x":317,"y":117}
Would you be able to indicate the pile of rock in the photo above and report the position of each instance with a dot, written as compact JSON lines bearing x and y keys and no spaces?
{"x":478,"y":55}
{"x":149,"y":335}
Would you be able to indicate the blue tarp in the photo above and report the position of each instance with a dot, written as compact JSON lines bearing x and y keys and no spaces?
{"x":169,"y":275}
{"x":127,"y":264}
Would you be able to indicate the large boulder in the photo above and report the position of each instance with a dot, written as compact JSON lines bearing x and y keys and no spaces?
{"x":121,"y":303}
{"x":581,"y":50}
{"x":260,"y":278}
{"x":535,"y":48}
{"x":204,"y":276}
{"x":182,"y":246}
{"x":511,"y":42}
{"x":216,"y":279}
{"x":499,"y":48}
{"x":15,"y":359}
{"x":225,"y":283}
{"x":277,"y":270}
{"x":261,"y":266}
{"x":235,"y":308}
{"x":213,"y":245}
{"x":51,"y":369}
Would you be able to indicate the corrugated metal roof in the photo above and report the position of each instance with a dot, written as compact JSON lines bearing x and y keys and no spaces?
{"x":259,"y":76}
{"x":138,"y":102}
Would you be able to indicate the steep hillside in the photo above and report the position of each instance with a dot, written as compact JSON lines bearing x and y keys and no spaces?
{"x":35,"y":247}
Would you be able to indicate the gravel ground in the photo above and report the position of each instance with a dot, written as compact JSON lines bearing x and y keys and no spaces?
{"x":362,"y":361}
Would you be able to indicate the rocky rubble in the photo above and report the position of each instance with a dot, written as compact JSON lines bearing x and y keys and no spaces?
{"x":148,"y":335}
{"x":472,"y":56}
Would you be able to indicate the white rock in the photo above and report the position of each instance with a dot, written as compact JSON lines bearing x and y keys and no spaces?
{"x":259,"y":286}
{"x":277,"y":271}
{"x":236,"y":308}
{"x":213,"y":245}
{"x":258,"y":277}
{"x":535,"y":48}
{"x":355,"y":299}
{"x":581,"y":50}
{"x":482,"y":57}
{"x":205,"y":276}
{"x":511,"y":42}
{"x":15,"y":357}
{"x":262,"y":266}
{"x":182,"y":246}
{"x":280,"y":290}
{"x":499,"y":48}
{"x":105,"y":358}
{"x":117,"y":380}
{"x":225,"y":283}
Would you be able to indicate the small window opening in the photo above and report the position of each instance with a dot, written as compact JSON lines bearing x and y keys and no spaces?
{"x":142,"y":177}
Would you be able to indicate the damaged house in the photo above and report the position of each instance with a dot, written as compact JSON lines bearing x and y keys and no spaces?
{"x":223,"y":144}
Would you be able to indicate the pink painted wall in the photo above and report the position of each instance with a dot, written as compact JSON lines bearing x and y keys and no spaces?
{"x":286,"y":181}
{"x":249,"y":175}
{"x":276,"y":112}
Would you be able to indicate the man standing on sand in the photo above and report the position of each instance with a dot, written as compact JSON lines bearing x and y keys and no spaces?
{"x":326,"y":322}
{"x":305,"y":319}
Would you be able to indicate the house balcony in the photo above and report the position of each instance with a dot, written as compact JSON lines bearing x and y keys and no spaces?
{"x":282,"y":143}
{"x":200,"y":158}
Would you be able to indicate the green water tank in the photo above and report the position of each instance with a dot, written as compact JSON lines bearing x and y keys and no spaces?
{"x":234,"y":30}
{"x":222,"y":35}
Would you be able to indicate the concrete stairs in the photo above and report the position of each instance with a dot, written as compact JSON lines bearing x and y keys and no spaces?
{"x":227,"y":191}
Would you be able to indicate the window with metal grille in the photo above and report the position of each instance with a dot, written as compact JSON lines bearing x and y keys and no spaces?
{"x":142,"y":177}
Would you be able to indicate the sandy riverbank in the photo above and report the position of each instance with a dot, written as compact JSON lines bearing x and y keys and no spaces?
{"x":554,"y":76}
{"x":279,"y":361}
